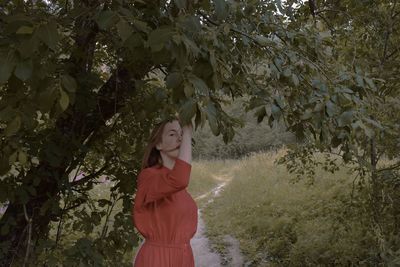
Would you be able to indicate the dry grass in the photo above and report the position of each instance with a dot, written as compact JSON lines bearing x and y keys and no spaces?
{"x":276,"y":220}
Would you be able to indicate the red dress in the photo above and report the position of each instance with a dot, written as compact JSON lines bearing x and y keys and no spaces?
{"x":166,"y":215}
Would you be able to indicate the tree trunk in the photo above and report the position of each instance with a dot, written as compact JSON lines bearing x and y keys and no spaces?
{"x":375,"y":184}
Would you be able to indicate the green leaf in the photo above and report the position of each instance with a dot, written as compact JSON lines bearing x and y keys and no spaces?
{"x":7,"y":64}
{"x":5,"y":229}
{"x":28,"y":47}
{"x":287,"y":72}
{"x":173,"y":80}
{"x":319,"y":106}
{"x":103,"y":202}
{"x":192,"y":24}
{"x":370,"y":83}
{"x":360,"y":81}
{"x":200,"y":86}
{"x":23,"y":196}
{"x":188,"y":110}
{"x":47,"y":98}
{"x":221,"y":9}
{"x":124,"y":29}
{"x":275,"y":111}
{"x":331,"y":109}
{"x":36,"y":180}
{"x":191,"y":46}
{"x":188,"y":90}
{"x":213,"y":60}
{"x":325,"y":34}
{"x":22,"y":158}
{"x":347,"y":156}
{"x":373,"y":122}
{"x":47,"y":204}
{"x":48,"y":34}
{"x":159,"y":37}
{"x":306,"y":115}
{"x":280,"y":102}
{"x":254,"y":102}
{"x":23,"y":71}
{"x":13,"y":157}
{"x":368,"y":131}
{"x":199,"y":115}
{"x":13,"y":127}
{"x":181,"y":4}
{"x":260,"y":114}
{"x":295,"y":80}
{"x":141,"y":26}
{"x":345,"y":118}
{"x":262,"y":40}
{"x":32,"y":190}
{"x":25,"y":30}
{"x":64,"y":100}
{"x":106,"y":19}
{"x":68,"y":83}
{"x":212,"y":118}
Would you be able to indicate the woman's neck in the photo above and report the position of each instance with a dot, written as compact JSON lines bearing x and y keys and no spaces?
{"x":168,"y":162}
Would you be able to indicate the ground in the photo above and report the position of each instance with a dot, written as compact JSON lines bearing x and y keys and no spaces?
{"x":203,"y":254}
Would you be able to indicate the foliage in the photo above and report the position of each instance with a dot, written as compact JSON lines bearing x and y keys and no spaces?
{"x":253,"y":137}
{"x":366,"y":34}
{"x":83,"y":82}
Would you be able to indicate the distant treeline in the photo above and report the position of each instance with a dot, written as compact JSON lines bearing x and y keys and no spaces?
{"x":253,"y":137}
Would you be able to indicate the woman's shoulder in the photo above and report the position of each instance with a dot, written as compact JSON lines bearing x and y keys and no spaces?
{"x":147,"y":174}
{"x":150,"y":170}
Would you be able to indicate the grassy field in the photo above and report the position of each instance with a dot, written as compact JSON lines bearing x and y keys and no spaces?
{"x":279,"y":223}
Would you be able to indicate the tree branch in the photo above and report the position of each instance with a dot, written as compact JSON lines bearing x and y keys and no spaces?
{"x":393,"y":167}
{"x":90,"y":176}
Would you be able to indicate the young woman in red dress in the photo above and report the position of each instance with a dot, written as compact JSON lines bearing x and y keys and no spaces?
{"x":164,"y":212}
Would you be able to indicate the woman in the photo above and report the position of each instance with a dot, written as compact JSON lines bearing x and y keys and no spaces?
{"x":164,"y":212}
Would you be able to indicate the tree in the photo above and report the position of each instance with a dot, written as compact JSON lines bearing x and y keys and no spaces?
{"x":79,"y":75}
{"x":366,"y":35}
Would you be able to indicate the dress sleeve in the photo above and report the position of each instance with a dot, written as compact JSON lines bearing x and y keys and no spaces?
{"x":157,"y":185}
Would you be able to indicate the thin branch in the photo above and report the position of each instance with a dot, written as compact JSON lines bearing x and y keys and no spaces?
{"x":58,"y":236}
{"x":28,"y":245}
{"x":163,"y":71}
{"x":232,"y":29}
{"x":393,"y":167}
{"x":74,"y":206}
{"x":389,"y":31}
{"x":332,"y":10}
{"x":393,"y":53}
{"x":327,"y":23}
{"x":109,"y":210}
{"x":90,"y":176}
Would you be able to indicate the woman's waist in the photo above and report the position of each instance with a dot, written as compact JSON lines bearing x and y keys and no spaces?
{"x":166,"y":243}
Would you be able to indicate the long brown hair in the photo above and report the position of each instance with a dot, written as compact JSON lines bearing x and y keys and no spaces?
{"x":152,"y":155}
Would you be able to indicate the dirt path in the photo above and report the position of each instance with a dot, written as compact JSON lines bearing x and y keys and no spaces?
{"x":203,"y":255}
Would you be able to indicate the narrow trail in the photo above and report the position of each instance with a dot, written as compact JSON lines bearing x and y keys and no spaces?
{"x":203,"y":255}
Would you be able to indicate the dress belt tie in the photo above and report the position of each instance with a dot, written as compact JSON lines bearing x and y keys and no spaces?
{"x":165,"y":244}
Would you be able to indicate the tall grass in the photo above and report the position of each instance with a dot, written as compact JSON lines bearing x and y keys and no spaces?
{"x":279,"y":223}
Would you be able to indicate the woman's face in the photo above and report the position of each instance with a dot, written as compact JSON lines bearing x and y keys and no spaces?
{"x":171,"y":139}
